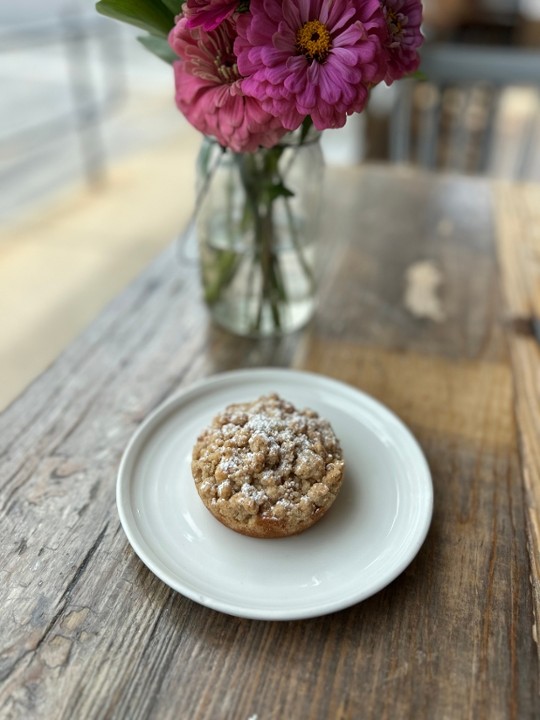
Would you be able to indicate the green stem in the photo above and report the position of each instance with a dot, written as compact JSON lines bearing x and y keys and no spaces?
{"x":227,"y":265}
{"x":263,"y":182}
{"x":255,"y":181}
{"x":272,"y":294}
{"x":298,"y":246}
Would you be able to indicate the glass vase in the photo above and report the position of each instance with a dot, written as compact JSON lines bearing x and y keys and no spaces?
{"x":257,"y":231}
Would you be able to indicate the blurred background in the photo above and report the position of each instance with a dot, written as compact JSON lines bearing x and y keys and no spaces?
{"x":97,"y":165}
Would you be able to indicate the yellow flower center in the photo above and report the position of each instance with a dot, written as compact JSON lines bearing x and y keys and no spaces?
{"x":394,"y":21}
{"x":226,"y":67}
{"x":313,"y":41}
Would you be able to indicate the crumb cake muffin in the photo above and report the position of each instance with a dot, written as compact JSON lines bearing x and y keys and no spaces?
{"x":266,"y":469}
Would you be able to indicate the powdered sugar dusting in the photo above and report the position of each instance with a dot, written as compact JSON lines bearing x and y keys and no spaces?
{"x":266,"y":459}
{"x":252,"y":492}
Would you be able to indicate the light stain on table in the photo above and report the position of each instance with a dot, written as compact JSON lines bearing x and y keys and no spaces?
{"x":88,"y":632}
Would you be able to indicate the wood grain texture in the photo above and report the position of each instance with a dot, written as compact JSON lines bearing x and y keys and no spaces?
{"x":518,"y":236}
{"x":88,"y":632}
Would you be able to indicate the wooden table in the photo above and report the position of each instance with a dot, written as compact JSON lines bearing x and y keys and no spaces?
{"x":416,"y":310}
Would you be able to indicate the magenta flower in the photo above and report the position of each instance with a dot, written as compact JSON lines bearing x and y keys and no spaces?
{"x":311,"y":57}
{"x":208,"y":89}
{"x":208,"y":14}
{"x":403,"y":20}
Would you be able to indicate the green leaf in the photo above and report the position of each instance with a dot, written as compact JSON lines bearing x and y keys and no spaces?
{"x":277,"y":190}
{"x":150,"y":15}
{"x":417,"y":75}
{"x":174,"y":5}
{"x":307,"y":124}
{"x":159,"y":47}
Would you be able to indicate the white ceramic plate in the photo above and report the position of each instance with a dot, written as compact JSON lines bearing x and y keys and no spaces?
{"x":372,"y":532}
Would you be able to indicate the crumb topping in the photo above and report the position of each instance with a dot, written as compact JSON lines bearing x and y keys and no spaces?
{"x":267,"y":459}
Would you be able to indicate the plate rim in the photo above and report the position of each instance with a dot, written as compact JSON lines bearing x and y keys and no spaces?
{"x":177,"y":399}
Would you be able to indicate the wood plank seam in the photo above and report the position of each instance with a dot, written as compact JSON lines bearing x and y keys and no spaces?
{"x":517,"y":217}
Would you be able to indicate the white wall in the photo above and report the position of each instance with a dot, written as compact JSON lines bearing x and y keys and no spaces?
{"x":28,"y":11}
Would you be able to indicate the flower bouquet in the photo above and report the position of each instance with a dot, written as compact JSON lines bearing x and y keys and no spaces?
{"x":261,"y":79}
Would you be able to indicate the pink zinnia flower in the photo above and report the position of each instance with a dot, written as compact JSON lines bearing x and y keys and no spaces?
{"x":208,"y":14}
{"x":208,"y":89}
{"x":311,"y":57}
{"x":403,"y":20}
